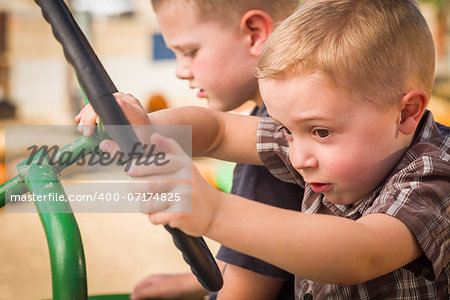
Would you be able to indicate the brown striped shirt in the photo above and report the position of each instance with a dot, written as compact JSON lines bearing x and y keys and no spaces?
{"x":417,"y":192}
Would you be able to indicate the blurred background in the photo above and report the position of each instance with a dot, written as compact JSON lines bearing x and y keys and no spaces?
{"x":37,"y":87}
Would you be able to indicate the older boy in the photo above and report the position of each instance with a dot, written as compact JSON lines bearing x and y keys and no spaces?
{"x":217,"y":45}
{"x":347,"y":82}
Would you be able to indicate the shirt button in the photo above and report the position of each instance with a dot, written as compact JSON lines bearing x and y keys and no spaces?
{"x":308,"y":296}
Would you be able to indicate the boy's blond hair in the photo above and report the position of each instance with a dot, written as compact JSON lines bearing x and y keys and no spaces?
{"x":377,"y":48}
{"x":230,"y":11}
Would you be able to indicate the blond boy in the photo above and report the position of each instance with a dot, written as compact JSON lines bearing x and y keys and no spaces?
{"x":347,"y":83}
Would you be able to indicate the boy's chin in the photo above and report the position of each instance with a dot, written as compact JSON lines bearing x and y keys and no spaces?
{"x":218,"y":105}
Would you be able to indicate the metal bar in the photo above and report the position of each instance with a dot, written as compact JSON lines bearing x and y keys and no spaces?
{"x":61,"y":229}
{"x":79,"y":148}
{"x":90,"y":72}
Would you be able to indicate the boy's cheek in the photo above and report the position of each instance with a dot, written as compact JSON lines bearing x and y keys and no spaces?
{"x":346,"y":169}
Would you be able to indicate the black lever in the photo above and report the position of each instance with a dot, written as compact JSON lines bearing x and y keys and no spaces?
{"x":99,"y":88}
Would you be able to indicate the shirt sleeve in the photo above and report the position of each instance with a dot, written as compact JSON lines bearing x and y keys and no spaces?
{"x":419,"y":196}
{"x":273,"y":149}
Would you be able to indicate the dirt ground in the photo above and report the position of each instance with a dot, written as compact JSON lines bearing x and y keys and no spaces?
{"x":120,"y":250}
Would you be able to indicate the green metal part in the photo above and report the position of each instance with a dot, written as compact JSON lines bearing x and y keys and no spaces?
{"x":61,"y":229}
{"x":41,"y":179}
{"x":79,"y":148}
{"x":14,"y":186}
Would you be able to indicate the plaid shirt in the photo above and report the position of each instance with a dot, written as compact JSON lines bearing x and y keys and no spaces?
{"x":417,"y":192}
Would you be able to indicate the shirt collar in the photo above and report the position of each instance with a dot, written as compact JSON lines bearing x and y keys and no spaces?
{"x":353,"y":212}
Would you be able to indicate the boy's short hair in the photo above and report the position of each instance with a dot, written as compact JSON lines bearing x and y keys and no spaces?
{"x":230,"y":11}
{"x":376,"y":48}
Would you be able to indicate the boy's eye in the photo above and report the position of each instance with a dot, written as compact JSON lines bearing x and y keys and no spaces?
{"x":321,"y":133}
{"x":190,"y":53}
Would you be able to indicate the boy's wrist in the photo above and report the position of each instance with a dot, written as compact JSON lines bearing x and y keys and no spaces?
{"x":214,"y":226}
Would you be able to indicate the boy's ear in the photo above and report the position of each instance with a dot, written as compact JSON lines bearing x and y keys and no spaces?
{"x":258,"y":25}
{"x":413,"y":105}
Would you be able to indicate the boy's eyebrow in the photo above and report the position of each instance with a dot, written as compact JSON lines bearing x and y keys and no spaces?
{"x":305,"y":119}
{"x":179,"y":45}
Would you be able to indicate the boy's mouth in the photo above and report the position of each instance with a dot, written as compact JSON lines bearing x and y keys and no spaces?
{"x":201,"y":93}
{"x":320,"y":187}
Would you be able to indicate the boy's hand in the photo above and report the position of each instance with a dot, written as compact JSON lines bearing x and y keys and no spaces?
{"x":180,"y":286}
{"x":87,"y":118}
{"x":198,"y":203}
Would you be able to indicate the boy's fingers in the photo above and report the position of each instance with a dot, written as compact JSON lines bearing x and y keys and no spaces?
{"x":122,"y":97}
{"x":166,"y":145}
{"x":142,"y":292}
{"x":154,"y":195}
{"x":159,"y":218}
{"x":168,"y":161}
{"x":173,"y":219}
{"x":87,"y":118}
{"x":166,"y":169}
{"x":80,"y":114}
{"x":109,"y":146}
{"x":80,"y":127}
{"x":88,"y":130}
{"x":151,"y":184}
{"x":133,"y":108}
{"x":172,"y":167}
{"x":125,"y":97}
{"x":146,"y":289}
{"x":85,"y":109}
{"x":145,"y":282}
{"x":79,"y":118}
{"x":151,"y":206}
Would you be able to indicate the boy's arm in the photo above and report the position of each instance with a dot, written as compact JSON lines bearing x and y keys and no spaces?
{"x":239,"y":284}
{"x":318,"y":247}
{"x":242,"y":284}
{"x":169,"y":286}
{"x":215,"y":134}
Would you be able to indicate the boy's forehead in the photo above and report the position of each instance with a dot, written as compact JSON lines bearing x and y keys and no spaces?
{"x":172,"y":4}
{"x":183,"y":14}
{"x":177,"y":11}
{"x":194,"y":11}
{"x":178,"y":22}
{"x":291,"y":82}
{"x":306,"y":97}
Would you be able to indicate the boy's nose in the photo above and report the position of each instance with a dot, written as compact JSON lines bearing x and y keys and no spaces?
{"x":183,"y":71}
{"x":302,"y":159}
